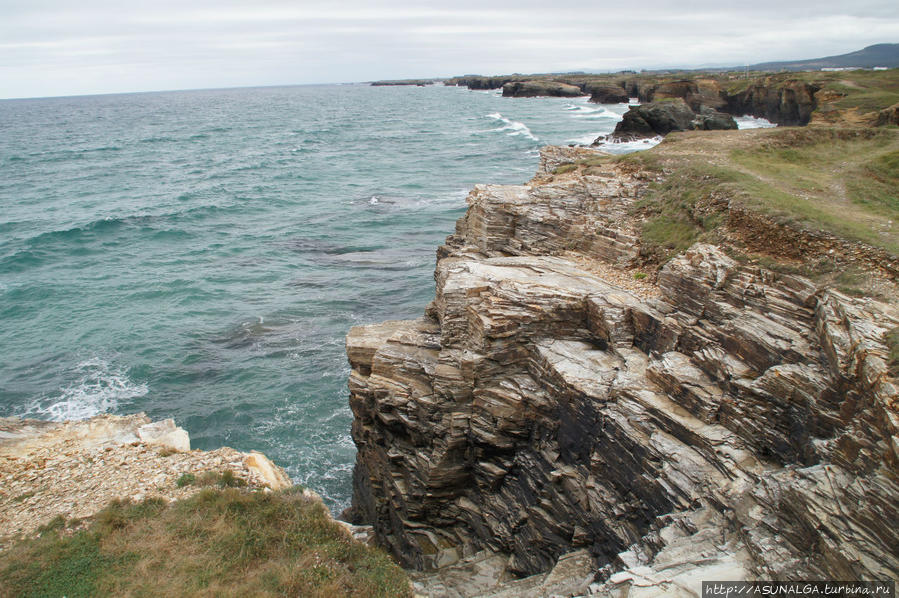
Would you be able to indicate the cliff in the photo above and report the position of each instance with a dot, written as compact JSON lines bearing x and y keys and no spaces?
{"x":653,"y":421}
{"x":855,"y":97}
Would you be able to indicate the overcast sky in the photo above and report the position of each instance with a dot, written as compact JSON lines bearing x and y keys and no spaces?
{"x":66,"y":47}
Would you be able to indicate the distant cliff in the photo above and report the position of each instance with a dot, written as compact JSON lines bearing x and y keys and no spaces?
{"x":790,"y":99}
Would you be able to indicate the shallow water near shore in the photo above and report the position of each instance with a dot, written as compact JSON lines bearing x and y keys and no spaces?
{"x":201,"y":255}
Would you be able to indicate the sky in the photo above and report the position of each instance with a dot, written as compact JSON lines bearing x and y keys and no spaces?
{"x":65,"y":47}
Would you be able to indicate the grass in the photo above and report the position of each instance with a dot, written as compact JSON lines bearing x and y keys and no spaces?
{"x":563,"y":168}
{"x":842,"y":181}
{"x":224,"y":479}
{"x":220,"y":542}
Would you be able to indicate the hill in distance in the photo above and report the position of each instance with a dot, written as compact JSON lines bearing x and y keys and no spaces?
{"x":877,"y":55}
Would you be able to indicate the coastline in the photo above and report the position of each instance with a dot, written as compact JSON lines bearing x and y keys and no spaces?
{"x":545,"y":289}
{"x":74,"y":469}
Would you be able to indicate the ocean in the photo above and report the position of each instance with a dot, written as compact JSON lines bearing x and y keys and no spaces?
{"x":200,"y":255}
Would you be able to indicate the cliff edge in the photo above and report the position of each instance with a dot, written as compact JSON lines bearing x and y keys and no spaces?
{"x":642,"y":411}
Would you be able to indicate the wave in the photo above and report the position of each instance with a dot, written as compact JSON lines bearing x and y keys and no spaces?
{"x":99,"y":389}
{"x":623,"y":147}
{"x":160,"y":139}
{"x":750,"y":122}
{"x":585,"y":140}
{"x":167,"y":225}
{"x":593,"y":112}
{"x":515,"y":127}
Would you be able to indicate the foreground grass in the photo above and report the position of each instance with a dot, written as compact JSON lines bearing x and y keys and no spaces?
{"x":217,"y":543}
{"x":841,"y":181}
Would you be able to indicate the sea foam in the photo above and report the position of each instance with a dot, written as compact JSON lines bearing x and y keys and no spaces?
{"x":98,"y":389}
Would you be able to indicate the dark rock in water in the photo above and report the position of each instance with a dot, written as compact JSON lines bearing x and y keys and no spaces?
{"x":655,"y":118}
{"x":711,"y":120}
{"x":607,"y":94}
{"x":661,"y":118}
{"x":530,"y":89}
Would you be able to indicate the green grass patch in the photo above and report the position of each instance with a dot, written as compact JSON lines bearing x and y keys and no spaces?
{"x":670,"y":232}
{"x":563,"y":168}
{"x":185,"y":479}
{"x":842,"y":181}
{"x":217,"y":543}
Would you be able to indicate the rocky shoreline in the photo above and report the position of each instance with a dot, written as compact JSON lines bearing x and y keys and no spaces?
{"x":74,"y":469}
{"x":723,"y":420}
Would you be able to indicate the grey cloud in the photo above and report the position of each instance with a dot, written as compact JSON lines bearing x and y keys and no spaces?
{"x":50,"y":47}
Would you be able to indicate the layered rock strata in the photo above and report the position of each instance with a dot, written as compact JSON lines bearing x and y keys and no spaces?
{"x":736,"y":422}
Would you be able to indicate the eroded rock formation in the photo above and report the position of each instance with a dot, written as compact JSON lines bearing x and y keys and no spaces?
{"x":607,"y":94}
{"x":788,"y":103}
{"x":728,"y":422}
{"x":663,"y":117}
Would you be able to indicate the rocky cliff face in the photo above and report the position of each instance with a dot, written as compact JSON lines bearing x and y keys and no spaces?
{"x":728,"y":420}
{"x":788,"y":103}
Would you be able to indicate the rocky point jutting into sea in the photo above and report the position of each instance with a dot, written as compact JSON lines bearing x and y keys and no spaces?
{"x":555,"y":406}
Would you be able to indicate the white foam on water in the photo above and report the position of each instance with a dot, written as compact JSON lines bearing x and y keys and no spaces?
{"x":596,"y":113}
{"x":621,"y":147}
{"x":514,"y":127}
{"x":586,"y":139}
{"x":750,"y":122}
{"x":374,"y":200}
{"x":98,"y":389}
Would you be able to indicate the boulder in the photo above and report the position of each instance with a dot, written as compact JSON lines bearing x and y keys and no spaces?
{"x":655,"y":118}
{"x":711,"y":120}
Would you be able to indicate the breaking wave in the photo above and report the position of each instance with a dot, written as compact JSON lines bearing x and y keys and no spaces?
{"x":99,"y":389}
{"x":513,"y":126}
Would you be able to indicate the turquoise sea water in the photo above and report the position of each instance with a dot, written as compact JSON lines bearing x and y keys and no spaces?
{"x":200,"y":255}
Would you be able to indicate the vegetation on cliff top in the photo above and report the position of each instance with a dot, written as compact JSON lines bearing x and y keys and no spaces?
{"x":218,"y":542}
{"x":841,"y":181}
